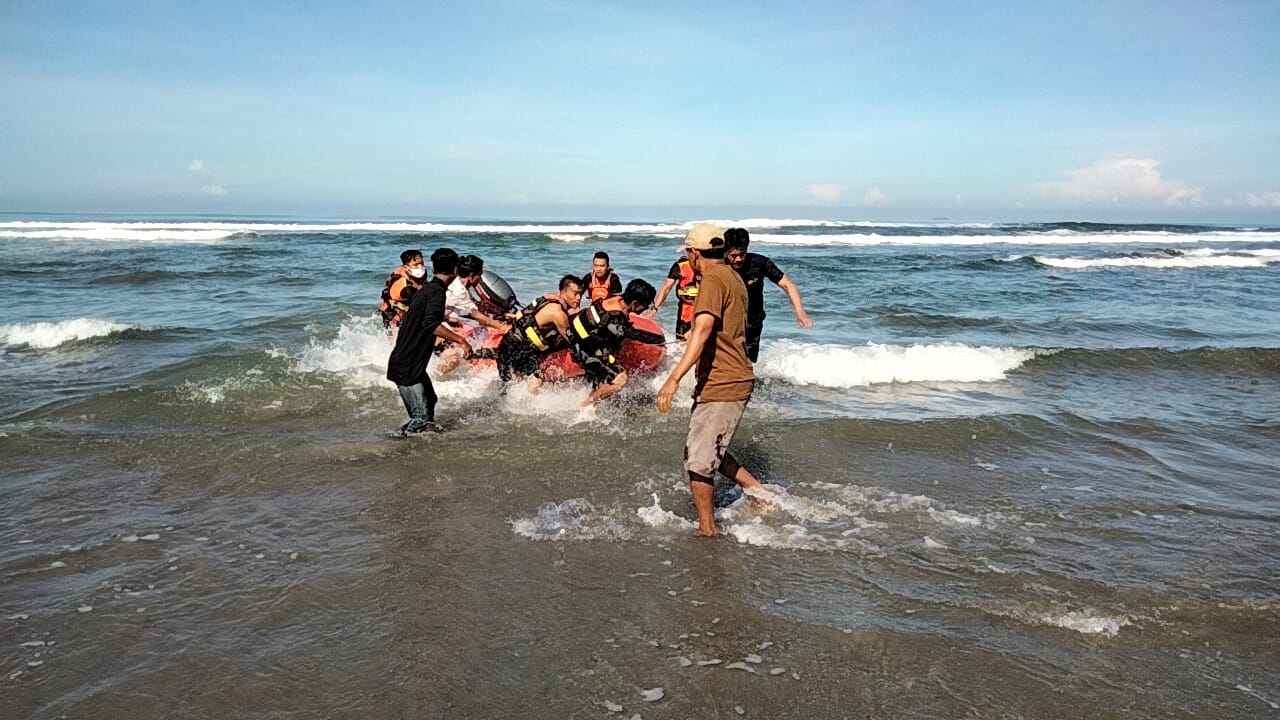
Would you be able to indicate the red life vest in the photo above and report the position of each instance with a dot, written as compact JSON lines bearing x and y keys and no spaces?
{"x":597,"y":288}
{"x":395,"y":297}
{"x":686,"y":290}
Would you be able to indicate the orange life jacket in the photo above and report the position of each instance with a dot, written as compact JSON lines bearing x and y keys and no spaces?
{"x":598,"y":289}
{"x":525,"y":324}
{"x":395,"y":297}
{"x":686,"y":290}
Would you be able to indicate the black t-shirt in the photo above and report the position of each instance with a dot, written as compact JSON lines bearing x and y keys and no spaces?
{"x":408,"y":362}
{"x":755,"y":268}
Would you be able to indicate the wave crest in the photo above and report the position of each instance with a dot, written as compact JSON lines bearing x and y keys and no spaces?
{"x":847,"y":366}
{"x":45,"y":335}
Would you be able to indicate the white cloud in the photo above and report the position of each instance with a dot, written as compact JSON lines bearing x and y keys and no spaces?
{"x":197,"y":166}
{"x":874,"y":197}
{"x":212,"y":189}
{"x":1119,"y":179}
{"x":824,"y":194}
{"x":1262,"y":199}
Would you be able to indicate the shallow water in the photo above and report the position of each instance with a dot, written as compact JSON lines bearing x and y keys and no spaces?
{"x":1024,"y":471}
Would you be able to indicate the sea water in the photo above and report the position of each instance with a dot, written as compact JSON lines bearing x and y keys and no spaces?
{"x":1020,"y":470}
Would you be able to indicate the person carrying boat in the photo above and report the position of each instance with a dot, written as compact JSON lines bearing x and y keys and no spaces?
{"x":458,"y":306}
{"x":597,"y":332}
{"x":538,"y":329}
{"x":403,"y":282}
{"x":602,"y":281}
{"x":685,"y":280}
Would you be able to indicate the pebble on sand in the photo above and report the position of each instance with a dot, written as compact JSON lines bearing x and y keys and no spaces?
{"x":705,"y":663}
{"x":150,"y":538}
{"x":57,"y":564}
{"x":740,"y":666}
{"x":754,"y":659}
{"x":738,"y":709}
{"x":652,"y":694}
{"x":612,"y":706}
{"x":84,"y":608}
{"x":777,"y":671}
{"x":685,"y":662}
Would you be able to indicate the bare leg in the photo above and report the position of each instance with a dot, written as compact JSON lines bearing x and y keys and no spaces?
{"x":703,"y":489}
{"x":734,"y":470}
{"x":535,"y":384}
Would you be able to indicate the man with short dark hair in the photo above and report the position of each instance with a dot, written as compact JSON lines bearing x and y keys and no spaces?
{"x":403,"y":282}
{"x":597,"y":332}
{"x":602,"y":281}
{"x":540,"y":328}
{"x":716,"y":345}
{"x":459,"y":305}
{"x":754,"y":269}
{"x":422,"y":324}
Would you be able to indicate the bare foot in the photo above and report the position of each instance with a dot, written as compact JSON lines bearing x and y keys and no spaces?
{"x":704,"y":532}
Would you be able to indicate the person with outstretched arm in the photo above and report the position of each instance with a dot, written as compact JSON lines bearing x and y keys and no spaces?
{"x":753,"y":269}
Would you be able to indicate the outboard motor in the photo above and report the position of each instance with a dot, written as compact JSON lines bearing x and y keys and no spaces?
{"x":494,"y":296}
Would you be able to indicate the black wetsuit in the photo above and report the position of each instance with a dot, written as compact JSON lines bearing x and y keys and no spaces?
{"x":755,"y":268}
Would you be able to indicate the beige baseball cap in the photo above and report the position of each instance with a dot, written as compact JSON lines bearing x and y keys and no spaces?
{"x":704,"y":236}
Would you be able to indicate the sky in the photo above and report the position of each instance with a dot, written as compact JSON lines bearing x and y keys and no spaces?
{"x":1153,"y":111}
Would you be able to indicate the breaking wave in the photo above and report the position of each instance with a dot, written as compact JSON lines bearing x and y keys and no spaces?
{"x":45,"y":335}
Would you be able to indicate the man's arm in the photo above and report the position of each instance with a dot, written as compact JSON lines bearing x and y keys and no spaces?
{"x":615,"y":284}
{"x":443,"y":332}
{"x":704,"y":324}
{"x":793,"y":293}
{"x":487,"y":321}
{"x":662,"y":295}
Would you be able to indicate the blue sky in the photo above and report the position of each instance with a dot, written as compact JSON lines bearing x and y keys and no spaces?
{"x":1164,"y":111}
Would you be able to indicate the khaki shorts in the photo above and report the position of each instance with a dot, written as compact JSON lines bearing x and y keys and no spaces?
{"x":711,"y":429}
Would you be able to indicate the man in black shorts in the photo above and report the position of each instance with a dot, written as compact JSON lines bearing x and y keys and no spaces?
{"x":754,"y":269}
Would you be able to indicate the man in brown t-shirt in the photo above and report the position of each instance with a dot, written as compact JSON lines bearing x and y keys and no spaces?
{"x":717,"y":345}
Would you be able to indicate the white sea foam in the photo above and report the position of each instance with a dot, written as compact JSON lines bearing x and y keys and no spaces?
{"x":125,"y":234}
{"x":1047,"y":238}
{"x":656,"y":516}
{"x":847,"y":366}
{"x":791,"y":536}
{"x":574,"y":519}
{"x":44,"y":335}
{"x":861,"y":233}
{"x":1196,"y":258}
{"x":1086,"y":621}
{"x":213,"y":231}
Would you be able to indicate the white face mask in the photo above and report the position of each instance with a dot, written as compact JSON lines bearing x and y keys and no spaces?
{"x":417,"y":272}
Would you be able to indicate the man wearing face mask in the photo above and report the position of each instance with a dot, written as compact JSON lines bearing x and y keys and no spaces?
{"x":401,"y":285}
{"x":421,"y":326}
